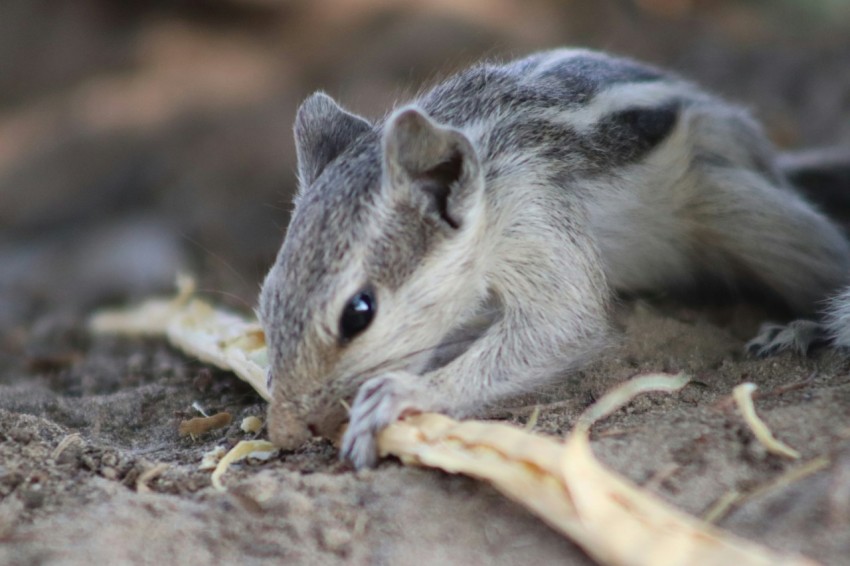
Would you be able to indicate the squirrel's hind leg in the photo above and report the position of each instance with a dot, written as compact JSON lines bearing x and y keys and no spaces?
{"x":798,"y":336}
{"x":750,"y":230}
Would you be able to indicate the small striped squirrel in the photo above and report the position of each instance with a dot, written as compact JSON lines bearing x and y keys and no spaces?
{"x":467,"y":247}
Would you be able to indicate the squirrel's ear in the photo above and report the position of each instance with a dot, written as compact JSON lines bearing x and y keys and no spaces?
{"x":434,"y":166}
{"x":322,"y":131}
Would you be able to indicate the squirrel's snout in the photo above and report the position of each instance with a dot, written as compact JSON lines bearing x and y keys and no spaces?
{"x":287,"y":429}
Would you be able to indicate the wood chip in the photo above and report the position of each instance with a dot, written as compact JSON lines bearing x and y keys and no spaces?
{"x":251,"y":425}
{"x":201,"y":425}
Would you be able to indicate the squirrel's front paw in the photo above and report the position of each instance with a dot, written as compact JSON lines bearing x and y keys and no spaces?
{"x":379,"y":402}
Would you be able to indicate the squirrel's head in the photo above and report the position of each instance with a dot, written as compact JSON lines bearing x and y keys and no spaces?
{"x":378,"y":261}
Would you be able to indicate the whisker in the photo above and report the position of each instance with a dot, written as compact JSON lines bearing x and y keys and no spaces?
{"x":233,"y":296}
{"x":279,"y":208}
{"x":215,"y":256}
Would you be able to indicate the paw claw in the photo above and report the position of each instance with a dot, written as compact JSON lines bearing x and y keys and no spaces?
{"x":379,"y":402}
{"x":797,"y":336}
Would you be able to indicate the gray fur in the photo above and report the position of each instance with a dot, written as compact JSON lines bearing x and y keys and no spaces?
{"x":824,"y":176}
{"x":492,"y":215}
{"x":323,"y":130}
{"x":798,"y":336}
{"x":837,"y":322}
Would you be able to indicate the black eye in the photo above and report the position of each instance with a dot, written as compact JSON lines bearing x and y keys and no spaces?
{"x":357,"y":314}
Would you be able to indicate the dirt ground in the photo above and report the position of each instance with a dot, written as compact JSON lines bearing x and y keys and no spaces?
{"x":142,"y":141}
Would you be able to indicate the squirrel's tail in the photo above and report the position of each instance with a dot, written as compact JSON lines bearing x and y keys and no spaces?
{"x":823,"y":176}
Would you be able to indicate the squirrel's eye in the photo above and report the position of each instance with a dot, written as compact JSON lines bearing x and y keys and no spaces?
{"x":357,"y":314}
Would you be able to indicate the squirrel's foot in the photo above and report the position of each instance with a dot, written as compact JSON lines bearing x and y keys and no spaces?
{"x":798,"y":336}
{"x":379,"y":402}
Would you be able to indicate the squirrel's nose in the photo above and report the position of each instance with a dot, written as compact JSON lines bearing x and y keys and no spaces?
{"x":287,"y":428}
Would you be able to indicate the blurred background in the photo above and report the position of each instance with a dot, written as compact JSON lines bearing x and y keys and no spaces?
{"x":139,"y":138}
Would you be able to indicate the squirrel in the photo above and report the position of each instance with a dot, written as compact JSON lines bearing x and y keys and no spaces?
{"x":468,"y":246}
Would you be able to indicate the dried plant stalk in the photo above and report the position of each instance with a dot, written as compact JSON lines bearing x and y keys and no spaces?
{"x":214,"y":336}
{"x":245,"y":448}
{"x":743,"y":395}
{"x":149,"y":475}
{"x":613,"y":520}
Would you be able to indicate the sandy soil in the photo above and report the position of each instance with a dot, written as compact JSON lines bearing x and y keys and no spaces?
{"x":140,"y":141}
{"x":123,"y":398}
